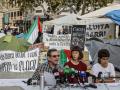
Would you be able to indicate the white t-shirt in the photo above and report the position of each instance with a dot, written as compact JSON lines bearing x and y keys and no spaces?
{"x":98,"y":68}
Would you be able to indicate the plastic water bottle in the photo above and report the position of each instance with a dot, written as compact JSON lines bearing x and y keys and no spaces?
{"x":42,"y":81}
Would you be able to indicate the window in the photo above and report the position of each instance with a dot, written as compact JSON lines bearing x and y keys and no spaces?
{"x":18,"y":13}
{"x":38,"y":11}
{"x":11,"y":14}
{"x":14,"y":14}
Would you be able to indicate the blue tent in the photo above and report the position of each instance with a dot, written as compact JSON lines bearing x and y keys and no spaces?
{"x":114,"y":15}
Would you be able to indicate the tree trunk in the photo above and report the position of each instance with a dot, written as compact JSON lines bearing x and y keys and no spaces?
{"x":83,"y":7}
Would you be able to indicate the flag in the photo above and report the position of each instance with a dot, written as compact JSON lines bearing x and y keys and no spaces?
{"x":68,"y":53}
{"x":33,"y":32}
{"x":63,"y":58}
{"x":39,"y":25}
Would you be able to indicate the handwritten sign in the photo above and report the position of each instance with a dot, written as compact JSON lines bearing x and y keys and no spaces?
{"x":11,"y":61}
{"x":57,"y":41}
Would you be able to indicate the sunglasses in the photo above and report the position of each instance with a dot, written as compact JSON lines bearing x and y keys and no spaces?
{"x":55,"y":56}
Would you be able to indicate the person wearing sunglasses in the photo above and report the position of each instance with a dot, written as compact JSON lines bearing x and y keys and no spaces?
{"x":76,"y":62}
{"x":103,"y":69}
{"x":47,"y":68}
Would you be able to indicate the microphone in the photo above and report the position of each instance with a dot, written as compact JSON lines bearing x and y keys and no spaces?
{"x":59,"y":76}
{"x":100,"y":75}
{"x":56,"y":75}
{"x":83,"y":76}
{"x":67,"y":70}
{"x":70,"y":71}
{"x":71,"y":75}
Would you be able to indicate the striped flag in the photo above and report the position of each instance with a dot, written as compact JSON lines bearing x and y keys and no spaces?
{"x":65,"y":55}
{"x":33,"y":32}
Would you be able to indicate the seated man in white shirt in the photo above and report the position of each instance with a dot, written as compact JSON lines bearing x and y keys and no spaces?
{"x":103,"y":69}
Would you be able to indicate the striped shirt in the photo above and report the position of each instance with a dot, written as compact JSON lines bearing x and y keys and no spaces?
{"x":41,"y":68}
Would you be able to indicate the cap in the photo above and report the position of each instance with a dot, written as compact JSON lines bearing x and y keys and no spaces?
{"x":76,"y":48}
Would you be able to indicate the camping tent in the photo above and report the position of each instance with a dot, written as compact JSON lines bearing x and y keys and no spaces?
{"x":74,"y":19}
{"x":93,"y":25}
{"x":113,"y":46}
{"x":101,"y":12}
{"x":65,"y":20}
{"x":10,"y":42}
{"x":2,"y":34}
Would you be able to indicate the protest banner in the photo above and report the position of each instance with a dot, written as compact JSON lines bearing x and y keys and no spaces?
{"x":48,"y":29}
{"x":62,"y":29}
{"x":11,"y":61}
{"x":78,"y":36}
{"x":57,"y":41}
{"x":100,"y":30}
{"x":57,"y":29}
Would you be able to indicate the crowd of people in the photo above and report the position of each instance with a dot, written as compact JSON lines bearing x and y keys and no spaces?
{"x":7,"y":29}
{"x":101,"y":69}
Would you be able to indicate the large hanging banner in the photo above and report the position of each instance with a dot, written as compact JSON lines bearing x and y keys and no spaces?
{"x":57,"y":29}
{"x":78,"y":36}
{"x":48,"y":29}
{"x":57,"y":41}
{"x":62,"y":29}
{"x":11,"y":61}
{"x":100,"y":30}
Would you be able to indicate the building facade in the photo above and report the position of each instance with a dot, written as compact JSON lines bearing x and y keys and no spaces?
{"x":12,"y":16}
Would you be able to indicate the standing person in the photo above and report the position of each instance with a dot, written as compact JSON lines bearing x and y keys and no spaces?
{"x":47,"y":68}
{"x":76,"y":62}
{"x":103,"y":67}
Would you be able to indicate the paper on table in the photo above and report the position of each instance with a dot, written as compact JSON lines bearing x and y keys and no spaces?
{"x":113,"y":84}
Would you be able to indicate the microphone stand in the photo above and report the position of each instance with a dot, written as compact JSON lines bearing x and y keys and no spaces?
{"x":91,"y":81}
{"x":42,"y":82}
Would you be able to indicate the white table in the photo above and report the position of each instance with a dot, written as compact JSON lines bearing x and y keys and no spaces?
{"x":17,"y":84}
